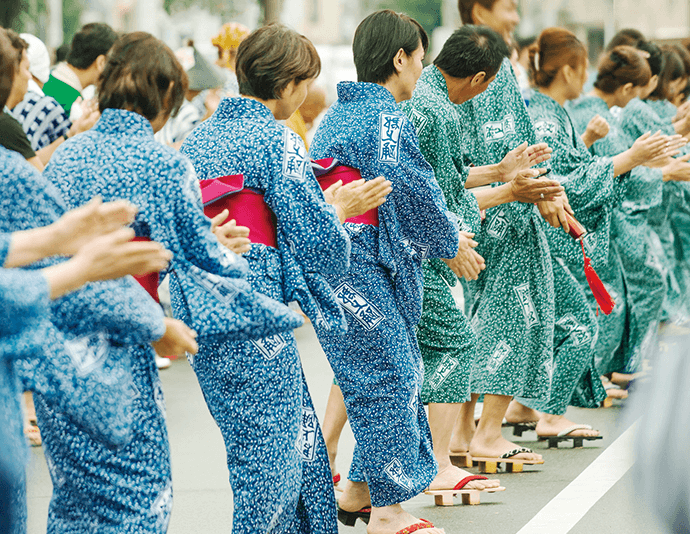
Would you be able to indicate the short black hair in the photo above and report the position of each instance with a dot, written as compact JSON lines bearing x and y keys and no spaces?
{"x":8,"y":66}
{"x":378,"y":39}
{"x":137,"y":76}
{"x":271,"y":57}
{"x":655,"y":59}
{"x":626,"y":37}
{"x":472,"y":49}
{"x":93,"y":40}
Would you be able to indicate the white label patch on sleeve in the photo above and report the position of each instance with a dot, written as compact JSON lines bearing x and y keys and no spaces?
{"x":545,"y":128}
{"x":356,"y":305}
{"x":419,"y":120}
{"x":499,"y":130}
{"x":295,"y":156}
{"x":390,"y":127}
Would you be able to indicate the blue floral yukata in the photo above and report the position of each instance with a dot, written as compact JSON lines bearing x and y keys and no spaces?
{"x":119,"y":159}
{"x":592,"y":192}
{"x":446,"y":339}
{"x":666,"y":219}
{"x":97,"y":486}
{"x":24,"y":312}
{"x":511,"y":305}
{"x":377,"y":363}
{"x":256,"y":391}
{"x":633,"y":270}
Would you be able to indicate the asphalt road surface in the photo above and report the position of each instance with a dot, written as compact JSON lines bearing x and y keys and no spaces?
{"x":580,"y":491}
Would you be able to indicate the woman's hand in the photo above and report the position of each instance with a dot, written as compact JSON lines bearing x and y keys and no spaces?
{"x":677,"y":170}
{"x":234,"y":237}
{"x":675,"y":142}
{"x":648,"y":147}
{"x":178,"y":340}
{"x":525,"y":187}
{"x":597,"y":129}
{"x":522,"y":158}
{"x":554,"y":211}
{"x":358,"y":197}
{"x":81,"y":225}
{"x":467,"y":263}
{"x":88,"y":117}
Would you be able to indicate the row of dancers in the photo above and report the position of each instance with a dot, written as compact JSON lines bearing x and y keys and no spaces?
{"x":368,"y":233}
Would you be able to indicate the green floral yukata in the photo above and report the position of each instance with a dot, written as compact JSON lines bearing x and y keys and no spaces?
{"x":445,"y":336}
{"x":512,"y":303}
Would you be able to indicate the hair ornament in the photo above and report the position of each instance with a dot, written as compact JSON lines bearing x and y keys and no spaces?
{"x":536,"y":61}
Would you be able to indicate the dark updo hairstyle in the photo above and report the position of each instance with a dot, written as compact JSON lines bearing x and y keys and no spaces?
{"x":8,"y":66}
{"x":684,"y":55}
{"x":470,"y":50}
{"x":271,"y":57}
{"x":554,"y":48}
{"x":625,"y":37}
{"x":621,"y":66}
{"x":138,"y":74}
{"x":655,"y":59}
{"x":466,"y":6}
{"x":379,"y":37}
{"x":673,"y":69}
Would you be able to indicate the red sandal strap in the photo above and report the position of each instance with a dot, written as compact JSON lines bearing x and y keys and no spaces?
{"x":336,"y":479}
{"x":423,"y":523}
{"x":467,"y":480}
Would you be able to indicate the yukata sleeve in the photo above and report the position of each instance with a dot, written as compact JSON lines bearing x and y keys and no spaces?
{"x":189,"y":230}
{"x":317,"y":239}
{"x":121,"y":308}
{"x":588,"y":180}
{"x":25,"y":298}
{"x":418,"y":202}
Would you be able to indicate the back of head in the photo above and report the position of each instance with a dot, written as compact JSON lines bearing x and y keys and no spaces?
{"x":39,"y":57}
{"x":554,"y":49}
{"x":466,"y":6}
{"x":272,"y":57}
{"x":8,"y":66}
{"x":673,"y":69}
{"x":142,"y":74}
{"x":684,"y":55}
{"x":625,"y":37}
{"x":18,"y":44}
{"x":378,"y":39}
{"x":93,"y":40}
{"x":621,"y":66}
{"x":655,"y":58}
{"x":470,"y":50}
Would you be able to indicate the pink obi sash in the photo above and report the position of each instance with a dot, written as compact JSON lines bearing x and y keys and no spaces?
{"x":246,"y":206}
{"x":328,"y":172}
{"x":148,"y":281}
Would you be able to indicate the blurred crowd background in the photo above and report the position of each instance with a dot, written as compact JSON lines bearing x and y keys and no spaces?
{"x":330,"y":24}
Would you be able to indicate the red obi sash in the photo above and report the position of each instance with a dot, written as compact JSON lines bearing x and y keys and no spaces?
{"x":148,"y":281}
{"x":328,"y":172}
{"x":246,"y":206}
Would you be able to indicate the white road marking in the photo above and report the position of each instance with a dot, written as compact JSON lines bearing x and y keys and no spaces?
{"x":564,"y":511}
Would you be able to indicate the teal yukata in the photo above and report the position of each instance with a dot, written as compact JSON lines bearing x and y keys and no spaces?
{"x":592,"y":192}
{"x":256,"y":390}
{"x":377,"y":362}
{"x":633,"y":269}
{"x":669,"y":218}
{"x":511,"y":305}
{"x":446,"y":339}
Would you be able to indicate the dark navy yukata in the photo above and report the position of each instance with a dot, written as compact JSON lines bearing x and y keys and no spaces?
{"x":256,"y":390}
{"x":378,"y":364}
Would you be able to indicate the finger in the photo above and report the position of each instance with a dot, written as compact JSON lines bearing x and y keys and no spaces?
{"x":467,"y":234}
{"x":218,"y":219}
{"x":563,"y":220}
{"x":684,"y":158}
{"x":334,"y":187}
{"x":472,"y":243}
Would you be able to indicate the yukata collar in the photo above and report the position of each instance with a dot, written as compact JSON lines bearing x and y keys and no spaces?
{"x":433,"y":77}
{"x":121,"y":121}
{"x":598,"y":102}
{"x":240,"y":107}
{"x":361,"y":91}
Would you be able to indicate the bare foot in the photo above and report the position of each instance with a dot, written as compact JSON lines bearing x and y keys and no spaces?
{"x":450,"y":476}
{"x":355,"y":496}
{"x":612,"y":390}
{"x":497,"y":447}
{"x":552,"y":425}
{"x":518,"y":413}
{"x":392,"y":519}
{"x":623,"y":380}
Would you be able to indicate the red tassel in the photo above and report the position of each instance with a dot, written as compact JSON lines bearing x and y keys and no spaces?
{"x":604,"y":300}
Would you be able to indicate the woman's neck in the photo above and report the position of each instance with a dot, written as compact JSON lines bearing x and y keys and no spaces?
{"x":606,"y":97}
{"x":557,"y":91}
